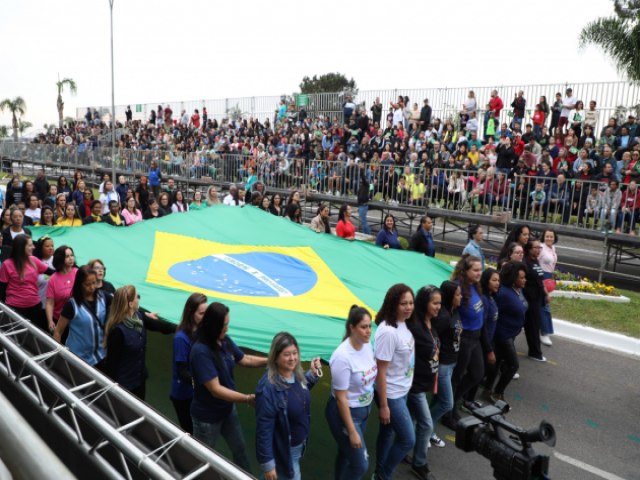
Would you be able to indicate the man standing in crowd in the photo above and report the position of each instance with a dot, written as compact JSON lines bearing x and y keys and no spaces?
{"x":425,"y":115}
{"x":376,"y":111}
{"x":495,"y":105}
{"x":348,"y":108}
{"x":568,"y":104}
{"x":518,"y":104}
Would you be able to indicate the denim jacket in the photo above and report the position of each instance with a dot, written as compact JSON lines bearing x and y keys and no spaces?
{"x":272,"y":425}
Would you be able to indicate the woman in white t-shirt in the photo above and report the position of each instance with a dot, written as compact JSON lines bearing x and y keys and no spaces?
{"x":395,"y":357}
{"x":353,"y":373}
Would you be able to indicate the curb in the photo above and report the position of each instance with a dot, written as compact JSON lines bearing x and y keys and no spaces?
{"x":598,"y":338}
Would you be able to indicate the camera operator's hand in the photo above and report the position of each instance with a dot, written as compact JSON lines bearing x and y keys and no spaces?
{"x":354,"y":440}
{"x":384,"y":414}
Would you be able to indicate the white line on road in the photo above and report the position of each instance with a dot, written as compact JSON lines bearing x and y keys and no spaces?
{"x":586,"y":467}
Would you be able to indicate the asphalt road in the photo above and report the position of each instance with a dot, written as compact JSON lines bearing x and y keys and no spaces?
{"x":590,"y":396}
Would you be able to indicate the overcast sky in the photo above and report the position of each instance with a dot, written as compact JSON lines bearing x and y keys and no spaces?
{"x":202,"y":49}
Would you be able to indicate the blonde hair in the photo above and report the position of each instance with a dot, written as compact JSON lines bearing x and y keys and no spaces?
{"x":119,"y":310}
{"x":281,"y":341}
{"x":216,"y":199}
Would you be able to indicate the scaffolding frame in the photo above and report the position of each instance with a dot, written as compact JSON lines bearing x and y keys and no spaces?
{"x":126,"y":438}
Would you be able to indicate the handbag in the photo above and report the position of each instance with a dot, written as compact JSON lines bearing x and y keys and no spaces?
{"x":549,"y":284}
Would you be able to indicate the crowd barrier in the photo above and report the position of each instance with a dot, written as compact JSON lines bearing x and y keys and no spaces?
{"x":564,"y":202}
{"x":445,"y":101}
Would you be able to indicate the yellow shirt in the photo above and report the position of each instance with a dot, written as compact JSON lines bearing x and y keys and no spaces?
{"x":65,"y":222}
{"x":474,"y":156}
{"x":417,"y":191}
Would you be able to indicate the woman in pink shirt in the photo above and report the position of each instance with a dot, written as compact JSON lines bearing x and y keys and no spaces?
{"x":60,"y":284}
{"x":344,"y":227}
{"x":19,"y":281}
{"x":131,"y":212}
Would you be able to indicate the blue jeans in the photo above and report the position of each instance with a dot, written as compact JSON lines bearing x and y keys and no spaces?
{"x":546,"y":324}
{"x":230,"y":430}
{"x":419,"y":408}
{"x":364,"y":224}
{"x":296,"y":454}
{"x":351,"y":463}
{"x":389,"y":450}
{"x":444,"y":399}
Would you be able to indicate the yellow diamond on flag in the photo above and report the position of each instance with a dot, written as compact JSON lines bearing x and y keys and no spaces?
{"x":288,"y":278}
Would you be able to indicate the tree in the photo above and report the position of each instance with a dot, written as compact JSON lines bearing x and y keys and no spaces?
{"x":3,"y":131}
{"x":618,"y":36}
{"x":329,"y":82}
{"x":17,"y":106}
{"x":72,"y":87}
{"x":23,"y":125}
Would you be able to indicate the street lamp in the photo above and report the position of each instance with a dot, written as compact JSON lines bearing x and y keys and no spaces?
{"x":113,"y":106}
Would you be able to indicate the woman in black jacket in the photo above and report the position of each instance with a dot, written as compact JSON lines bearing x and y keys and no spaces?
{"x":422,"y":240}
{"x":507,"y":156}
{"x":448,"y":327}
{"x":536,"y":296}
{"x":125,"y":338}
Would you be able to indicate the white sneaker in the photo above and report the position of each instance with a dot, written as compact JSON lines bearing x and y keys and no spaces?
{"x":545,"y":340}
{"x":516,"y":376}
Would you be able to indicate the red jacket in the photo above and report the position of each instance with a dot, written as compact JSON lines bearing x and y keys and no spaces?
{"x":630,"y":200}
{"x":538,"y":117}
{"x":496,"y":105}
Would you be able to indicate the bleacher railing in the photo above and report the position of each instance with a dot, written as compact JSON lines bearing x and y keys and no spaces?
{"x":445,"y":101}
{"x":565,"y":202}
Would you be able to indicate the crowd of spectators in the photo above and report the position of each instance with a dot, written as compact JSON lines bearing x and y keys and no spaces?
{"x":541,"y":163}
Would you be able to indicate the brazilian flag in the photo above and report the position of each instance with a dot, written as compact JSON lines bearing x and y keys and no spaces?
{"x":273,"y":274}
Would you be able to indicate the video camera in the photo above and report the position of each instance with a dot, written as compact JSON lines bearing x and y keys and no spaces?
{"x":507,"y":446}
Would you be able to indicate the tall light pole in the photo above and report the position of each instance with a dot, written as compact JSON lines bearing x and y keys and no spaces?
{"x":113,"y":106}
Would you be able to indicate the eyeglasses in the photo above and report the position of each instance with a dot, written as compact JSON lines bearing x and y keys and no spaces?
{"x":100,"y":269}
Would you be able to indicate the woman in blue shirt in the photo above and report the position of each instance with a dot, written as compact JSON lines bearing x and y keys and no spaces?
{"x":469,"y":369}
{"x":212,"y":360}
{"x":476,"y":234}
{"x":181,"y":382}
{"x":512,"y":307}
{"x":388,"y":236}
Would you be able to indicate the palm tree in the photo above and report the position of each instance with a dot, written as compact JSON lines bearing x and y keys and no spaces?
{"x":72,"y":87}
{"x":618,"y":36}
{"x":15,"y":106}
{"x":22,"y":126}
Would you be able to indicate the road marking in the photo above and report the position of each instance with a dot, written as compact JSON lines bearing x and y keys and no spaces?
{"x":586,"y":467}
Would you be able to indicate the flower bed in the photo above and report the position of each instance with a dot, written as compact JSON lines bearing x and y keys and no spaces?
{"x":588,"y":290}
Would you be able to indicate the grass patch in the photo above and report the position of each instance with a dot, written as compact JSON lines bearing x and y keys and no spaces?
{"x":615,"y":317}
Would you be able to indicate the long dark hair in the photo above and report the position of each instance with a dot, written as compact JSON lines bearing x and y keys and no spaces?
{"x":192,"y":304}
{"x":342,"y":211}
{"x":510,"y":271}
{"x":512,"y":237}
{"x":211,"y":328}
{"x":460,"y":275}
{"x":448,"y":292}
{"x":19,"y":253}
{"x":81,"y":275}
{"x":39,"y":246}
{"x":484,"y":280}
{"x":389,"y":310}
{"x":356,"y":314}
{"x":59,"y":257}
{"x":423,"y":298}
